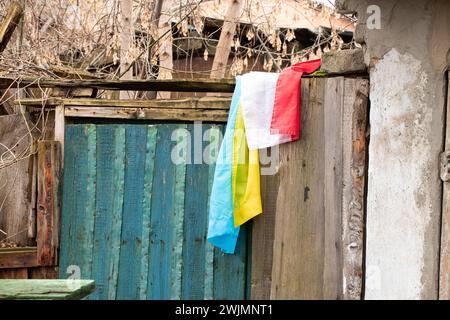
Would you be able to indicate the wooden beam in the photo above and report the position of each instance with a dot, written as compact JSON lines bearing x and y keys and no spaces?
{"x":148,"y":114}
{"x":18,"y":258}
{"x":9,"y":24}
{"x":60,"y":128}
{"x":354,"y":144}
{"x":48,"y":213}
{"x":444,"y":277}
{"x":187,"y":85}
{"x":35,"y":289}
{"x":210,"y":103}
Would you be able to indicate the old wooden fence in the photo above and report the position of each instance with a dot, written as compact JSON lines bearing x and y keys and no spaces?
{"x":136,"y":223}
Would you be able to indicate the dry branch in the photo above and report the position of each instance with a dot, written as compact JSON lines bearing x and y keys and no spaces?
{"x":9,"y":24}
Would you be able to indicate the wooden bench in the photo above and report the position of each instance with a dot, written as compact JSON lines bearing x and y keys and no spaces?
{"x":45,"y":289}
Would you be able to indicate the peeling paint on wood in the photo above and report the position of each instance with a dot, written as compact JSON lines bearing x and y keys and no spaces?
{"x":157,"y":209}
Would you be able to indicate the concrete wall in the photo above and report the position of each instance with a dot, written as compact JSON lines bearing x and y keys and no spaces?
{"x":407,"y":58}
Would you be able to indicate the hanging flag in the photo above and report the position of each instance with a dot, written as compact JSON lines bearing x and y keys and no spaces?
{"x":264,"y":112}
{"x":271,"y":105}
{"x":221,"y":230}
{"x":286,"y":109}
{"x":245,"y":176}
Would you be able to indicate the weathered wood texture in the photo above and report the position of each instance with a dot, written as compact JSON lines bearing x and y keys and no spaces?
{"x":15,"y":273}
{"x":355,"y":147}
{"x":43,"y":273}
{"x":18,"y":258}
{"x":45,"y":289}
{"x":207,"y":103}
{"x":9,"y":23}
{"x":263,"y":229}
{"x":148,"y":114}
{"x":137,"y":223}
{"x":49,"y":206}
{"x":317,"y":250}
{"x":14,"y":180}
{"x":444,"y":278}
{"x":212,"y":109}
{"x":186,"y":85}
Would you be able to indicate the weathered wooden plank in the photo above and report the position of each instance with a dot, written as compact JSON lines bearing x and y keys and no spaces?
{"x":177,"y":219}
{"x":444,"y":276}
{"x":230,"y":270}
{"x":195,"y":222}
{"x":220,"y":103}
{"x":152,"y":132}
{"x":14,"y":185}
{"x":104,"y":253}
{"x":161,"y":237}
{"x":131,"y":238}
{"x":18,"y":258}
{"x":78,"y":212}
{"x":60,"y":127}
{"x":181,"y":85}
{"x":117,"y":209}
{"x":87,"y":220}
{"x":49,"y":202}
{"x":333,"y":110}
{"x":9,"y":23}
{"x":214,"y":136}
{"x":298,"y":263}
{"x":148,"y":113}
{"x":43,"y":273}
{"x":355,"y":142}
{"x":45,"y":289}
{"x":16,"y":273}
{"x":263,"y":229}
{"x":32,"y":199}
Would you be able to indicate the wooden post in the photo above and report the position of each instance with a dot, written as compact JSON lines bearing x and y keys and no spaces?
{"x":48,"y":213}
{"x":9,"y":23}
{"x":226,"y":39}
{"x":126,"y":41}
{"x":165,"y":47}
{"x":60,"y":123}
{"x":355,"y":144}
{"x":444,"y":277}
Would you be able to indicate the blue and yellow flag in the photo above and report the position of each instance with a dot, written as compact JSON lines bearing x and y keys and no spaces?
{"x":235,"y":195}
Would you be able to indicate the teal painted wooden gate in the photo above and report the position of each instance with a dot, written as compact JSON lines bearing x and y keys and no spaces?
{"x":136,"y":223}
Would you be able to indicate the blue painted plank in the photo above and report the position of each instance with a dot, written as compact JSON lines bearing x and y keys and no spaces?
{"x":177,"y":219}
{"x":117,"y":207}
{"x":146,"y":218}
{"x":131,"y":238}
{"x":79,"y":201}
{"x":109,"y":186}
{"x":230,"y":270}
{"x":103,"y":210}
{"x":162,"y":209}
{"x":211,"y":153}
{"x":195,"y":222}
{"x":68,"y":200}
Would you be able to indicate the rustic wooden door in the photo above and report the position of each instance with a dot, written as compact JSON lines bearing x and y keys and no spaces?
{"x":136,"y":223}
